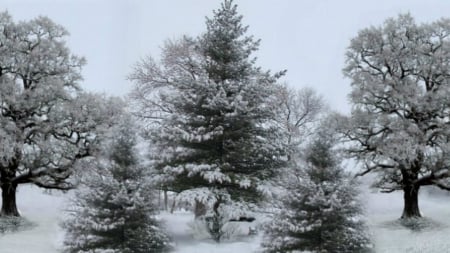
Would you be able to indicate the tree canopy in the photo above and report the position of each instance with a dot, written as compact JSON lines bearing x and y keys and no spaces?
{"x":47,"y":123}
{"x":400,"y":94}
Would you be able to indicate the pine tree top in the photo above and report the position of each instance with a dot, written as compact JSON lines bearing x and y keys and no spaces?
{"x":226,"y":45}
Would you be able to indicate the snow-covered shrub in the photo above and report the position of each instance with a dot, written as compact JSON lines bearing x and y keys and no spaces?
{"x":219,"y":227}
{"x":218,"y":230}
{"x":231,"y":231}
{"x":215,"y":224}
{"x":198,"y":229}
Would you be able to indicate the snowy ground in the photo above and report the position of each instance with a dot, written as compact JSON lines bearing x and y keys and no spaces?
{"x":389,"y":236}
{"x":181,"y":233}
{"x":43,"y":210}
{"x":382,"y":211}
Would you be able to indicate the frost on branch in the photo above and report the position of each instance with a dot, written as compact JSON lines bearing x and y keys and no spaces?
{"x":47,"y":122}
{"x":400,"y":93}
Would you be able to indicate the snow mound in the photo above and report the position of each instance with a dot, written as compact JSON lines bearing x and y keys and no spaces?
{"x":414,"y":224}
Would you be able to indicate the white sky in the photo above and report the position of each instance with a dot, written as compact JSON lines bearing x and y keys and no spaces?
{"x":306,"y":37}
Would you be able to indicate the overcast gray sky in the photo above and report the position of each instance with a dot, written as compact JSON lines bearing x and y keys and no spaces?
{"x":306,"y":37}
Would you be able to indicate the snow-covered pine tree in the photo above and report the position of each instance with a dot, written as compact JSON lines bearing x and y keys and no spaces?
{"x":322,"y":212}
{"x":112,"y":211}
{"x":216,"y":126}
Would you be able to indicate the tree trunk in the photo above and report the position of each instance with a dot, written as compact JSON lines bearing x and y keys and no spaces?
{"x":173,"y":205}
{"x":199,"y":209}
{"x":166,"y":201}
{"x":411,"y":202}
{"x":9,"y":207}
{"x":217,"y":222}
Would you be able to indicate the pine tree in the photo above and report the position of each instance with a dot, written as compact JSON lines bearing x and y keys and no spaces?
{"x":218,"y":130}
{"x":112,"y":211}
{"x":226,"y":46}
{"x":223,"y":123}
{"x":321,"y":213}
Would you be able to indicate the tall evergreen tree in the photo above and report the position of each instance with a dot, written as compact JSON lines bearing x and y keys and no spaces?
{"x":322,"y":213}
{"x":216,"y":129}
{"x":112,"y":211}
{"x":245,"y":151}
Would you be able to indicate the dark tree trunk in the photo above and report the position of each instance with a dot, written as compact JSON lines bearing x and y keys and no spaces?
{"x":174,"y":203}
{"x":199,"y":209}
{"x":216,"y":224}
{"x":166,"y":201}
{"x":411,"y":202}
{"x":9,"y":207}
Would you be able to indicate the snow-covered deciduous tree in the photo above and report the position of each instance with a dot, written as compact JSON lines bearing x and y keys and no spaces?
{"x":399,"y":125}
{"x":47,"y":123}
{"x":112,"y":211}
{"x":212,"y":112}
{"x":321,"y":212}
{"x":298,"y":112}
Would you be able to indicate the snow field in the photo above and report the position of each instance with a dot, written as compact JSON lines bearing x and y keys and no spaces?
{"x":382,"y":212}
{"x":42,"y":209}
